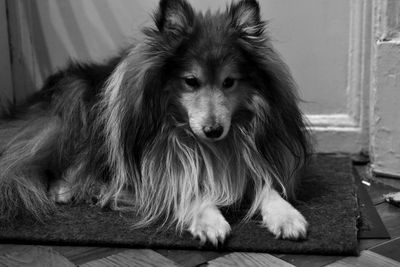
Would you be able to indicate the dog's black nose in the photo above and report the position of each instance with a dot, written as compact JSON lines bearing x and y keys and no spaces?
{"x":213,"y":131}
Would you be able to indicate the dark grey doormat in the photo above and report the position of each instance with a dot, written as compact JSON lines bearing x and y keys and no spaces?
{"x":327,"y":199}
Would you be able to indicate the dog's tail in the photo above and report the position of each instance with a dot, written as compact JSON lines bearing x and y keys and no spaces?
{"x":25,"y":147}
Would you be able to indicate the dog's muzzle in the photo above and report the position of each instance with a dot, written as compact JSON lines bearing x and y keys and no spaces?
{"x":214,"y":131}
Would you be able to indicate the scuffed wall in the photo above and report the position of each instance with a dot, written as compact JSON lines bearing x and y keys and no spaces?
{"x":385,"y":90}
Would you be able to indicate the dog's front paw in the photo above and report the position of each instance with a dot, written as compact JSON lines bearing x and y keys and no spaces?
{"x":210,"y":225}
{"x":281,"y":218}
{"x":60,"y":192}
{"x":286,"y":222}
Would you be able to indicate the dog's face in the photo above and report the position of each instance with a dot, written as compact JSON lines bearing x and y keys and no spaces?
{"x":209,"y":69}
{"x":210,"y":98}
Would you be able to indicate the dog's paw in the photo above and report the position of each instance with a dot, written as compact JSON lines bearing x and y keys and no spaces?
{"x":281,"y":218}
{"x":60,"y":192}
{"x":286,"y":223}
{"x":210,"y":226}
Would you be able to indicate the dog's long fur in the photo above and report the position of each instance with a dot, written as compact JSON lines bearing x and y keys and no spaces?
{"x":107,"y":129}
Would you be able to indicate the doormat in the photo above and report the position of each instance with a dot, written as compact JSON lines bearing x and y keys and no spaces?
{"x":327,"y":199}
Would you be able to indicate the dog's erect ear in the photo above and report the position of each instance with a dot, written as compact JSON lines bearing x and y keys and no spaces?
{"x":246,"y":16}
{"x":174,"y":16}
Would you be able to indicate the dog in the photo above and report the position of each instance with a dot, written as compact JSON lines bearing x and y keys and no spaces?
{"x":174,"y":128}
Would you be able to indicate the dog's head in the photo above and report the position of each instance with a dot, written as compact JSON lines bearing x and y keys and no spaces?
{"x":208,"y":68}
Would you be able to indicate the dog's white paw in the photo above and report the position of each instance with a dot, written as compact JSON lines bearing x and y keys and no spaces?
{"x":210,"y":226}
{"x":286,"y":224}
{"x":60,"y":192}
{"x":282,"y":219}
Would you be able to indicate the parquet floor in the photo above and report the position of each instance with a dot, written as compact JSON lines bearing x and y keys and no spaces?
{"x":374,"y":253}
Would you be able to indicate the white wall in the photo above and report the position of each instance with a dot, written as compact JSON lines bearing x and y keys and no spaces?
{"x":385,"y":90}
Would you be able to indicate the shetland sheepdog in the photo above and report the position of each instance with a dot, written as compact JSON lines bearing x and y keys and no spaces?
{"x":174,"y":127}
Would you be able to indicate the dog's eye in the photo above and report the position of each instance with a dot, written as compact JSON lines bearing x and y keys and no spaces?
{"x":192,"y":82}
{"x":228,"y":83}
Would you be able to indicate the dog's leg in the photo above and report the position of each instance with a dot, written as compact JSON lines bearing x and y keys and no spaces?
{"x":209,"y":224}
{"x":281,"y":218}
{"x":23,"y":181}
{"x":61,"y":190}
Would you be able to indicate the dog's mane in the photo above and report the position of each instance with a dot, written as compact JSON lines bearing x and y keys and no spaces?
{"x":168,"y":169}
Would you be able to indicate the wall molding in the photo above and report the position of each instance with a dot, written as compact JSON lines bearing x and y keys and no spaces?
{"x":332,"y":120}
{"x":335,"y":133}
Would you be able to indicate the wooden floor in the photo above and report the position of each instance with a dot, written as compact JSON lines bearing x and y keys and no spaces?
{"x":374,"y":252}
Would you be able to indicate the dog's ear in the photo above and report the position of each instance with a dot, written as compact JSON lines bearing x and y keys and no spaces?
{"x":246,"y":17}
{"x":174,"y":16}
